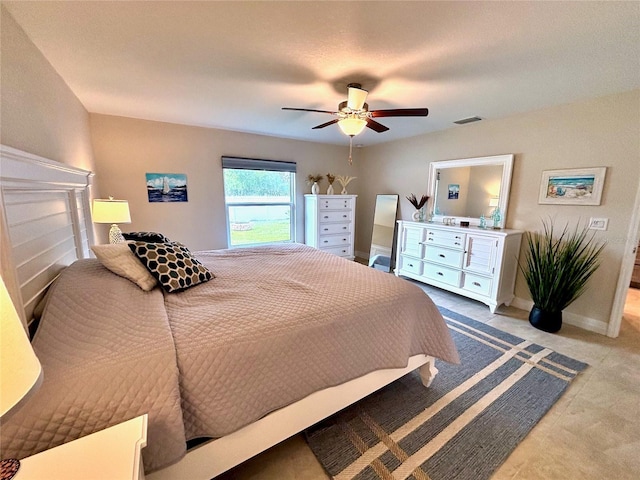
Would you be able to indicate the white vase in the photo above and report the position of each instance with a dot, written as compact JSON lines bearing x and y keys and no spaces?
{"x":330,"y":190}
{"x":315,"y":188}
{"x":344,"y":190}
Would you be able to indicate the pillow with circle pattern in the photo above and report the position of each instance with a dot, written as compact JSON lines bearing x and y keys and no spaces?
{"x":146,"y":237}
{"x":172,"y":264}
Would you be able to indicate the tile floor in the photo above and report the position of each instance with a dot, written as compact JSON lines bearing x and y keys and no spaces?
{"x":591,"y":433}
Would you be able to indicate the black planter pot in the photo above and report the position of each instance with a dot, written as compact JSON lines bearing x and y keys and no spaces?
{"x":547,"y":321}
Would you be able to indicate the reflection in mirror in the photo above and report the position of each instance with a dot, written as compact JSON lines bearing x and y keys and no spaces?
{"x":469,"y":188}
{"x":383,"y":235}
{"x":467,"y":191}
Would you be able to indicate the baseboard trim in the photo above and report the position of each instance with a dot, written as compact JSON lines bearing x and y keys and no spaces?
{"x":586,"y":323}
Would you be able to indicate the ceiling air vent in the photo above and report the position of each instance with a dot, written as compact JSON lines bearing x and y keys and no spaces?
{"x":467,"y":120}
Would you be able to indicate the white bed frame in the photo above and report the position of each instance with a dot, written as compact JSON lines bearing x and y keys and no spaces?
{"x":46,"y":225}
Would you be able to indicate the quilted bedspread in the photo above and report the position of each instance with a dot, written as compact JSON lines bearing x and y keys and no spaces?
{"x":107,"y":356}
{"x":276,"y":324}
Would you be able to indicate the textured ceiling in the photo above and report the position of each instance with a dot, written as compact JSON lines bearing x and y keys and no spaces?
{"x":233,"y":65}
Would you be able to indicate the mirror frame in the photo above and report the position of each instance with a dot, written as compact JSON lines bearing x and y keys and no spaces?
{"x":505,"y":184}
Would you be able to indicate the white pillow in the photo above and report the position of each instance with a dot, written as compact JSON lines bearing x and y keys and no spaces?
{"x":119,"y":258}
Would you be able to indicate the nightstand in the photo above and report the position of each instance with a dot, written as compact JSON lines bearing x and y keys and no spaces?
{"x":110,"y":454}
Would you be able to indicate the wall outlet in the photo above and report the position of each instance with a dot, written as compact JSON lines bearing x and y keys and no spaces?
{"x":598,"y":223}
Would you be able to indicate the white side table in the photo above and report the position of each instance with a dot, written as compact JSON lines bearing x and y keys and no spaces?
{"x":111,"y":454}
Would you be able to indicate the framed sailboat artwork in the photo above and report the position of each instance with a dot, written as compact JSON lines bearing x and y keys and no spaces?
{"x":167,"y":187}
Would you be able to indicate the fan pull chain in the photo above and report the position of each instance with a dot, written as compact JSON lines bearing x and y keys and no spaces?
{"x":350,"y":149}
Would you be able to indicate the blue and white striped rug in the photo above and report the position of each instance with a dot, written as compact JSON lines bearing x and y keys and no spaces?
{"x":462,"y":427}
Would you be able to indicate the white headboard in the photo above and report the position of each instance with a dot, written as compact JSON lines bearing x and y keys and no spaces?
{"x":45,"y":220}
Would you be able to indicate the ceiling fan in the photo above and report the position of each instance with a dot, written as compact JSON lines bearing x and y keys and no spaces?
{"x":353,"y":115}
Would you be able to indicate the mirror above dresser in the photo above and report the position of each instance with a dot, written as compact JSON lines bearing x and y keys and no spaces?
{"x":466,"y":189}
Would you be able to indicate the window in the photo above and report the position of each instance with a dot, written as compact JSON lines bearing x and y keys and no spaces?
{"x":260,"y":200}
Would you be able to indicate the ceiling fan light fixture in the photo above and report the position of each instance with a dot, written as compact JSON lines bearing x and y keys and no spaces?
{"x":357,"y":97}
{"x":352,"y":126}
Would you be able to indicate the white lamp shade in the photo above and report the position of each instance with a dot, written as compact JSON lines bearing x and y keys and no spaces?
{"x":20,"y":370}
{"x":356,"y":98}
{"x":352,"y":125}
{"x":110,"y":211}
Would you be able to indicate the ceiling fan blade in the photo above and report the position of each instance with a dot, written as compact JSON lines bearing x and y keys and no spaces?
{"x":357,"y":97}
{"x":400,"y":112}
{"x":378,"y":127}
{"x":335,"y":120}
{"x":308,"y":110}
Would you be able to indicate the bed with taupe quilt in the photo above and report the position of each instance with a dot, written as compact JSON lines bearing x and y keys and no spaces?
{"x":275,"y":325}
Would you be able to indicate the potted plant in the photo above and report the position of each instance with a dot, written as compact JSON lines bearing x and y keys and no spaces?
{"x":313,"y":181}
{"x":418,"y":205}
{"x":556,"y":269}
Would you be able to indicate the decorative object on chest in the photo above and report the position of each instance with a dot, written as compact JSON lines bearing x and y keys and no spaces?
{"x":329,"y":223}
{"x":476,"y":263}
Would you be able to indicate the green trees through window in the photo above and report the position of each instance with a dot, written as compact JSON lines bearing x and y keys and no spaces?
{"x":260,"y":206}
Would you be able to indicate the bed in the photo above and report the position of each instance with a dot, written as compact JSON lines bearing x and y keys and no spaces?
{"x":279,"y":339}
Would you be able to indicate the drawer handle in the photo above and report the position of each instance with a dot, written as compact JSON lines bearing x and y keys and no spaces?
{"x":326,"y":216}
{"x":441,"y":274}
{"x":326,"y":229}
{"x":442,"y":256}
{"x":344,"y":239}
{"x":344,"y":251}
{"x":344,"y":216}
{"x":326,"y":241}
{"x":411,"y":264}
{"x":476,"y":284}
{"x":457,"y":243}
{"x":344,"y":228}
{"x":457,"y":237}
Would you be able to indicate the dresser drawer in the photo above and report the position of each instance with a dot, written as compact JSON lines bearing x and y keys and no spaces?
{"x":334,"y":216}
{"x":446,"y":239}
{"x":452,"y":258}
{"x":477,"y":284}
{"x":442,"y":274}
{"x":329,"y":228}
{"x":335,"y":204}
{"x":411,"y":265}
{"x":344,"y":251}
{"x":333,"y":240}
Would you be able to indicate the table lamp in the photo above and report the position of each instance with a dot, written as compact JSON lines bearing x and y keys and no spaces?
{"x":113,"y":212}
{"x":20,"y":370}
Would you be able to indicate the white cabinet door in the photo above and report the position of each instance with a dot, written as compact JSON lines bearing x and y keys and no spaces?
{"x":412,"y":241}
{"x":481,"y":254}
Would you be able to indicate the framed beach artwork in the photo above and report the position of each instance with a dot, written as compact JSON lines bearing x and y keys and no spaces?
{"x":167,"y":187}
{"x":454,"y":191}
{"x":580,"y":186}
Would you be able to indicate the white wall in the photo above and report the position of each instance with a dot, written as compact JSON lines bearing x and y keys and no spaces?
{"x":39,"y":113}
{"x":597,"y":132}
{"x":126,"y":149}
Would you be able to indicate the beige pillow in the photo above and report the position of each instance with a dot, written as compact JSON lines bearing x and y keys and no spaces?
{"x":119,"y":258}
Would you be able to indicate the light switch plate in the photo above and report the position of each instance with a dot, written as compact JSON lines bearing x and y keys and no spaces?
{"x":598,"y":223}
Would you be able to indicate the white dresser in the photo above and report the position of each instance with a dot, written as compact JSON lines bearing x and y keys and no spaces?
{"x":329,"y":222}
{"x":477,"y":263}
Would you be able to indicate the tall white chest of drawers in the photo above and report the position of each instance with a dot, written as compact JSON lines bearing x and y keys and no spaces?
{"x":477,"y":263}
{"x":329,"y":222}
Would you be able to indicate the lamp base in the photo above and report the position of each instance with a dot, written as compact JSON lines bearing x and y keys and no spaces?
{"x":115,"y":234}
{"x":8,"y":468}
